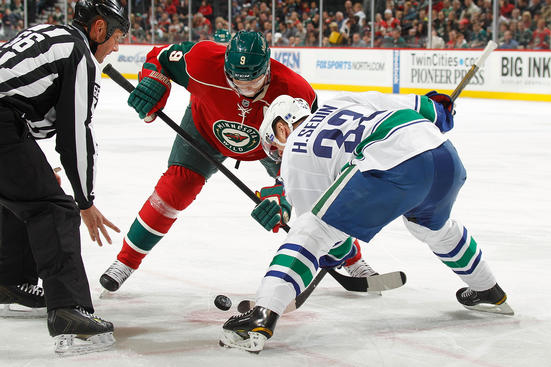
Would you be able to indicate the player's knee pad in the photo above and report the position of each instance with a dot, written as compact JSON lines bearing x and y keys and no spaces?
{"x":315,"y":235}
{"x":176,"y":189}
{"x":441,"y":240}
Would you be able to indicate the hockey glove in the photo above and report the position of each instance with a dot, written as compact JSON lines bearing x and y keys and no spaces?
{"x":339,"y":253}
{"x":274,"y":210}
{"x":151,"y":92}
{"x":444,"y":110}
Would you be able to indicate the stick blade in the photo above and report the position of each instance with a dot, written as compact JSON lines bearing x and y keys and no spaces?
{"x":374,"y":283}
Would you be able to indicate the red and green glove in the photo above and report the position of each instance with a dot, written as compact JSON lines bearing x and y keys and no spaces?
{"x":274,"y":210}
{"x":151,"y":93}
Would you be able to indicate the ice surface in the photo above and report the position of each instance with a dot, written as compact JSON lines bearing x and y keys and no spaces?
{"x":164,"y":315}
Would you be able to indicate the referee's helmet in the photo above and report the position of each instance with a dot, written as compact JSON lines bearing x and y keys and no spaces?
{"x":86,"y":11}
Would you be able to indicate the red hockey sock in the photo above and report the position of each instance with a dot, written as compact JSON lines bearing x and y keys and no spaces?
{"x":358,"y":256}
{"x":129,"y":256}
{"x":176,"y":189}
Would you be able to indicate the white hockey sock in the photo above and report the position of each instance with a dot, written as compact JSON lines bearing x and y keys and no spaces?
{"x":453,"y":245}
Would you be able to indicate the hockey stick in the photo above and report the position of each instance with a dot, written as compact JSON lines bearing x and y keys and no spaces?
{"x":246,"y":305}
{"x":121,"y":80}
{"x":375,"y":283}
{"x":474,"y":68}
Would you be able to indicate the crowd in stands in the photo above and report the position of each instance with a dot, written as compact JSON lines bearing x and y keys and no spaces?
{"x":522,"y":24}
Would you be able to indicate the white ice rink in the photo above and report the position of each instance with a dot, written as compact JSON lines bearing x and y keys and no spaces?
{"x":164,"y":315}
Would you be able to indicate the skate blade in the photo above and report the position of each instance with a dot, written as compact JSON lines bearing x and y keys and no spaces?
{"x":502,"y":309}
{"x":254,"y":344}
{"x":15,"y":310}
{"x":72,"y":344}
{"x":105,"y":294}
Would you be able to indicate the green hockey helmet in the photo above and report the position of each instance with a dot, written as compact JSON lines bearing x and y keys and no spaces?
{"x":222,"y":36}
{"x":247,"y":56}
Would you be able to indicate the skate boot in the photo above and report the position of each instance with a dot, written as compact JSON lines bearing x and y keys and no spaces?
{"x":115,"y":275}
{"x":250,"y":330}
{"x":76,"y":331}
{"x":360,"y":269}
{"x":23,"y":300}
{"x":491,"y":300}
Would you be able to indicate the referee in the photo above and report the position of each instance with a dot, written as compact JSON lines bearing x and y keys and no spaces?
{"x":49,"y":85}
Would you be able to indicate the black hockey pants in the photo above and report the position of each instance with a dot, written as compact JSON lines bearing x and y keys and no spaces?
{"x":39,"y":223}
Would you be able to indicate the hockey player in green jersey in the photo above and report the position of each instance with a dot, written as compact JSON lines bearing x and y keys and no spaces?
{"x":230,"y":88}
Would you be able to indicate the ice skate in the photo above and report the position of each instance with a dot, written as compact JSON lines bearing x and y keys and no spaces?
{"x":76,"y":331}
{"x":360,"y":269}
{"x":115,"y":276}
{"x":250,"y":330}
{"x":491,"y":300}
{"x":22,"y":301}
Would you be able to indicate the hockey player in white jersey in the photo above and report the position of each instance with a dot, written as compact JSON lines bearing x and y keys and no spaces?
{"x":361,"y":161}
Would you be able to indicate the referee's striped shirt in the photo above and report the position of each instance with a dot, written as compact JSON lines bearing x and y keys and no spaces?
{"x":50,"y":77}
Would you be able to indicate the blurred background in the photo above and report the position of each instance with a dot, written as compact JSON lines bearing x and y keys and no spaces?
{"x":437,"y":24}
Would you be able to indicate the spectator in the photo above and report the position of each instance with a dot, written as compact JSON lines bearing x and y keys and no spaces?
{"x":541,"y":36}
{"x":389,"y":22}
{"x":527,"y":21}
{"x":206,"y":10}
{"x":469,"y":9}
{"x":452,"y":38}
{"x":535,"y":7}
{"x":410,"y":14}
{"x":413,"y":40}
{"x":138,"y":33}
{"x":367,"y":38}
{"x":311,"y":40}
{"x":479,"y":37}
{"x":279,"y":40}
{"x":515,"y":15}
{"x":524,"y":36}
{"x":460,"y":41}
{"x":439,"y":24}
{"x":351,"y":26}
{"x":395,"y":40}
{"x":201,"y":27}
{"x":359,"y":12}
{"x":293,"y":41}
{"x":59,"y":17}
{"x":503,"y":26}
{"x":506,"y":8}
{"x":174,"y":29}
{"x":508,"y":42}
{"x":437,"y":41}
{"x":357,"y":41}
{"x":335,"y":37}
{"x":546,"y":11}
{"x":300,"y":33}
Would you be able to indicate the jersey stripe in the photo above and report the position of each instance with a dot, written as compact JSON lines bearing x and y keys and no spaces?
{"x":49,"y":76}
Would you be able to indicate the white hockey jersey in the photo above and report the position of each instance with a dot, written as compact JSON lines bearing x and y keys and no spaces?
{"x":371,"y":130}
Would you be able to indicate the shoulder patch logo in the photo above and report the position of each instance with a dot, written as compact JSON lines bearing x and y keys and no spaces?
{"x":236,"y":137}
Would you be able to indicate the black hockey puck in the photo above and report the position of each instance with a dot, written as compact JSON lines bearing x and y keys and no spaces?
{"x":222,"y":302}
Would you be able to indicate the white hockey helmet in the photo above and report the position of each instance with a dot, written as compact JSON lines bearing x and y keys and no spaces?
{"x":284,"y":107}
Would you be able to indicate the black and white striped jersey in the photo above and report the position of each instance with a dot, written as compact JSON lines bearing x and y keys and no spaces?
{"x":50,"y":77}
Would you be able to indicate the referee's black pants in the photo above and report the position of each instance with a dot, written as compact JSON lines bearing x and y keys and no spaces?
{"x":39,"y":223}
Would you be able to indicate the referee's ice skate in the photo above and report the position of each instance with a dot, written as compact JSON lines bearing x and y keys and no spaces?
{"x":23,"y":301}
{"x":250,"y":330}
{"x":491,"y":300}
{"x":76,"y":331}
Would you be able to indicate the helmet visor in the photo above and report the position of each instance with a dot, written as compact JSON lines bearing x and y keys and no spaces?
{"x":269,"y":144}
